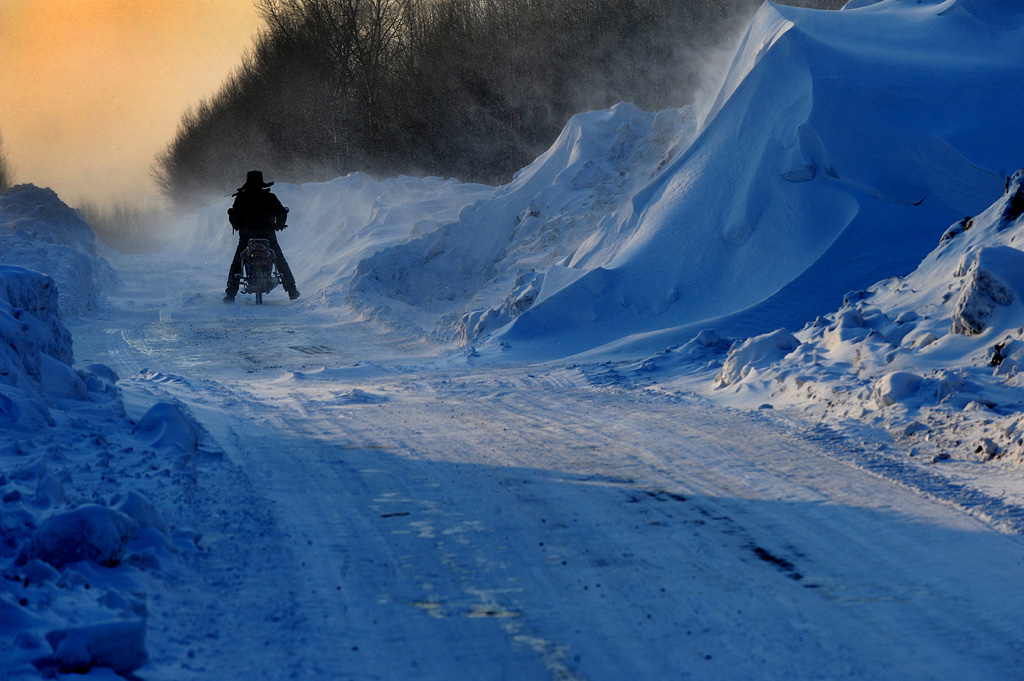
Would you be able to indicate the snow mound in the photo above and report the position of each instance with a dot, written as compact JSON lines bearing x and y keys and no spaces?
{"x":38,"y":231}
{"x":819,"y":171}
{"x":167,"y":426}
{"x":935,"y":356}
{"x":357,"y":396}
{"x":69,"y":463}
{"x":359,"y":370}
{"x":754,"y":354}
{"x":488,"y":260}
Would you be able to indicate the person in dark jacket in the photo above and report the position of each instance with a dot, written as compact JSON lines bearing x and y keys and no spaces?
{"x":257,"y":214}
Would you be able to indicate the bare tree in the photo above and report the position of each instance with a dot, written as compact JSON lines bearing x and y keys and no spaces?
{"x":6,"y":174}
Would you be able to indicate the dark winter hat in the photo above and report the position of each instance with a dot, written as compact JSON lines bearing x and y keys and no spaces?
{"x":254,"y":179}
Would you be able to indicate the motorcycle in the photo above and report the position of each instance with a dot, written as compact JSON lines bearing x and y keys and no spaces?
{"x":259,"y":271}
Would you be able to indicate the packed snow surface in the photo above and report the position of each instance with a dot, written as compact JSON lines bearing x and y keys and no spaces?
{"x":723,"y":397}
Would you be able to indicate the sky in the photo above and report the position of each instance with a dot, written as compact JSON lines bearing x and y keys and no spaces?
{"x":92,"y":90}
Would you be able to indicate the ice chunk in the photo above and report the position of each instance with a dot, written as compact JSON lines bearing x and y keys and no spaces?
{"x":118,"y":645}
{"x":139,"y":509}
{"x":94,"y":533}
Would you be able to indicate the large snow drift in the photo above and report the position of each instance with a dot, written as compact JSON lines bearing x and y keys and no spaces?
{"x":840,"y":143}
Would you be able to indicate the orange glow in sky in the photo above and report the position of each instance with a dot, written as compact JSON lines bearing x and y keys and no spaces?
{"x":92,"y":90}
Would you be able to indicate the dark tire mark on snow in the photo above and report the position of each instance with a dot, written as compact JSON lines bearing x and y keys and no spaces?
{"x":312,"y":349}
{"x":727,"y":526}
{"x":660,"y":495}
{"x":781,"y":564}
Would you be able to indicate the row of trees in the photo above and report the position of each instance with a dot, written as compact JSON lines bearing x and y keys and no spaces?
{"x":473,"y":89}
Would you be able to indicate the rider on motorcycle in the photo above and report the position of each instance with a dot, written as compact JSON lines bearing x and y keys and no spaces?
{"x":257,"y":214}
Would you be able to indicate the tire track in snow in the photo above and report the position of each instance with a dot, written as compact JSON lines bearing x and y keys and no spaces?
{"x":878,"y":460}
{"x":519,"y":440}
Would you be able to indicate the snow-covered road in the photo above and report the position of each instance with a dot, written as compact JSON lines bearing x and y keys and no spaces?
{"x":402,"y":515}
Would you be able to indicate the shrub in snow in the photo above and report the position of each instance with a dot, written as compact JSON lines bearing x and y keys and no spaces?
{"x":119,"y":645}
{"x":1008,"y":356}
{"x":754,"y":354}
{"x":95,"y":533}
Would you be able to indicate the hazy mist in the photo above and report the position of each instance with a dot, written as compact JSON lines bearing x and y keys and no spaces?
{"x":90,"y":91}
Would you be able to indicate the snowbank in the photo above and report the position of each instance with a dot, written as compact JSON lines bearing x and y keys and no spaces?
{"x":934,"y":357}
{"x":487,"y":268}
{"x":81,"y":543}
{"x":38,"y":231}
{"x":839,"y":141}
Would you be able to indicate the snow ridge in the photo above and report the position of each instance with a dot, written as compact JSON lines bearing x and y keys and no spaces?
{"x":40,"y":232}
{"x":934,"y":357}
{"x":80,"y":545}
